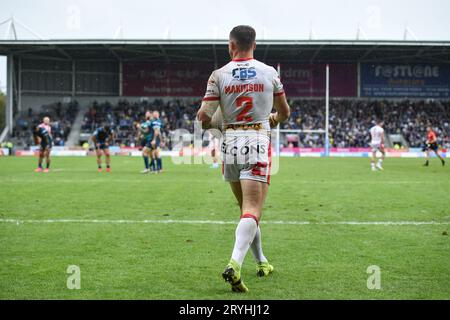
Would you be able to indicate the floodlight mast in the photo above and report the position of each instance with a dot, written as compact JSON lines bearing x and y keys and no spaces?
{"x":11,"y":32}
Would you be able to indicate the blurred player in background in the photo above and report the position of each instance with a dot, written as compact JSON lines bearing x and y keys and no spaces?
{"x":377,"y":144}
{"x":214,"y":146}
{"x":247,"y":91}
{"x":42,"y":137}
{"x":46,"y":125}
{"x":145,"y":135}
{"x":102,"y":138}
{"x":431,"y":144}
{"x":156,"y":125}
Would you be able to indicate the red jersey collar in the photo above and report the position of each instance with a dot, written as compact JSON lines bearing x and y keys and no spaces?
{"x":242,"y":59}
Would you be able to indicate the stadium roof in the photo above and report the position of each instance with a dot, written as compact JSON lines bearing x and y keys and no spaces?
{"x":217,"y":50}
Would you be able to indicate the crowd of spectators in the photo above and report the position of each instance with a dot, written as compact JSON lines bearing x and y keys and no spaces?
{"x":124,"y":116}
{"x":351,"y":119}
{"x":62,"y":116}
{"x":349,"y":122}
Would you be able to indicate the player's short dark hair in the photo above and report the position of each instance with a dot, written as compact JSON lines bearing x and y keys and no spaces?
{"x":244,"y":36}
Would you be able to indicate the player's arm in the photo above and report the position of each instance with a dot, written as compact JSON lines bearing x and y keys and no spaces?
{"x":94,"y":140}
{"x":210,"y":102}
{"x":206,"y":112}
{"x":156,"y":134}
{"x":282,"y":110}
{"x":110,"y":138}
{"x":163,"y":140}
{"x":36,"y":139}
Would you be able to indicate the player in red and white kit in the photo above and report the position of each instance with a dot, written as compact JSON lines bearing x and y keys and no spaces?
{"x":246,"y":91}
{"x":377,"y":144}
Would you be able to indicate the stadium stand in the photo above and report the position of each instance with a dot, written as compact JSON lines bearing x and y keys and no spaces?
{"x":62,"y":117}
{"x":123,"y":117}
{"x":350,"y":120}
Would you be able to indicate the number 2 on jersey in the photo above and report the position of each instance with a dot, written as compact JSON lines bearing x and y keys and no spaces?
{"x":247,"y":104}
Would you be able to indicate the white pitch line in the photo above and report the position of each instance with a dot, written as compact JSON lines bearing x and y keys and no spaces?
{"x":104,"y":221}
{"x":307,"y":182}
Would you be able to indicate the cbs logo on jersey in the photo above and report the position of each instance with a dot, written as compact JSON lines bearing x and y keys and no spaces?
{"x":244,"y":73}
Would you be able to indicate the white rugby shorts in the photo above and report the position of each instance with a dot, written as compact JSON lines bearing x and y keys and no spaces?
{"x":246,"y":155}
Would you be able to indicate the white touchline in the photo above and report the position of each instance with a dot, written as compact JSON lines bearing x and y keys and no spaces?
{"x":307,"y":182}
{"x":171,"y":221}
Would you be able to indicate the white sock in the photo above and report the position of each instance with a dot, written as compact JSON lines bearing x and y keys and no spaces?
{"x":256,"y":247}
{"x":380,"y":162}
{"x":245,"y":233}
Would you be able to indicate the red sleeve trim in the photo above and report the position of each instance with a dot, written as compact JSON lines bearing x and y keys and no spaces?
{"x":278,"y":93}
{"x":210,"y":99}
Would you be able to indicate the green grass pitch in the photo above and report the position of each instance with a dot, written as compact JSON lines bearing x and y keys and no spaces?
{"x":324,"y":259}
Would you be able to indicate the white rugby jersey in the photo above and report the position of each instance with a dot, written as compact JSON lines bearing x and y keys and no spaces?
{"x":245,"y":89}
{"x":377,"y":134}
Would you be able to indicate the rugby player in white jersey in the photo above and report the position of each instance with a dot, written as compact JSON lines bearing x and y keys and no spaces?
{"x":377,"y":144}
{"x":246,"y":91}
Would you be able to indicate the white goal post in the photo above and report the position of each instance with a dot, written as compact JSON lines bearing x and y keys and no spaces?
{"x":277,"y":132}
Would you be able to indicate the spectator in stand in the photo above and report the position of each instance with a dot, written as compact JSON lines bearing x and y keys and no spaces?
{"x":62,"y":114}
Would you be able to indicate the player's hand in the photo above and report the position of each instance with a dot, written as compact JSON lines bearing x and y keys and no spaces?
{"x":153,"y":143}
{"x":272,"y":121}
{"x":98,"y":145}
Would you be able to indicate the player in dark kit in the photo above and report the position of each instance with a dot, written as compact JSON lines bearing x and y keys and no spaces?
{"x":102,"y":138}
{"x":145,"y":132}
{"x":155,"y":141}
{"x":431,"y":144}
{"x":41,"y":136}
